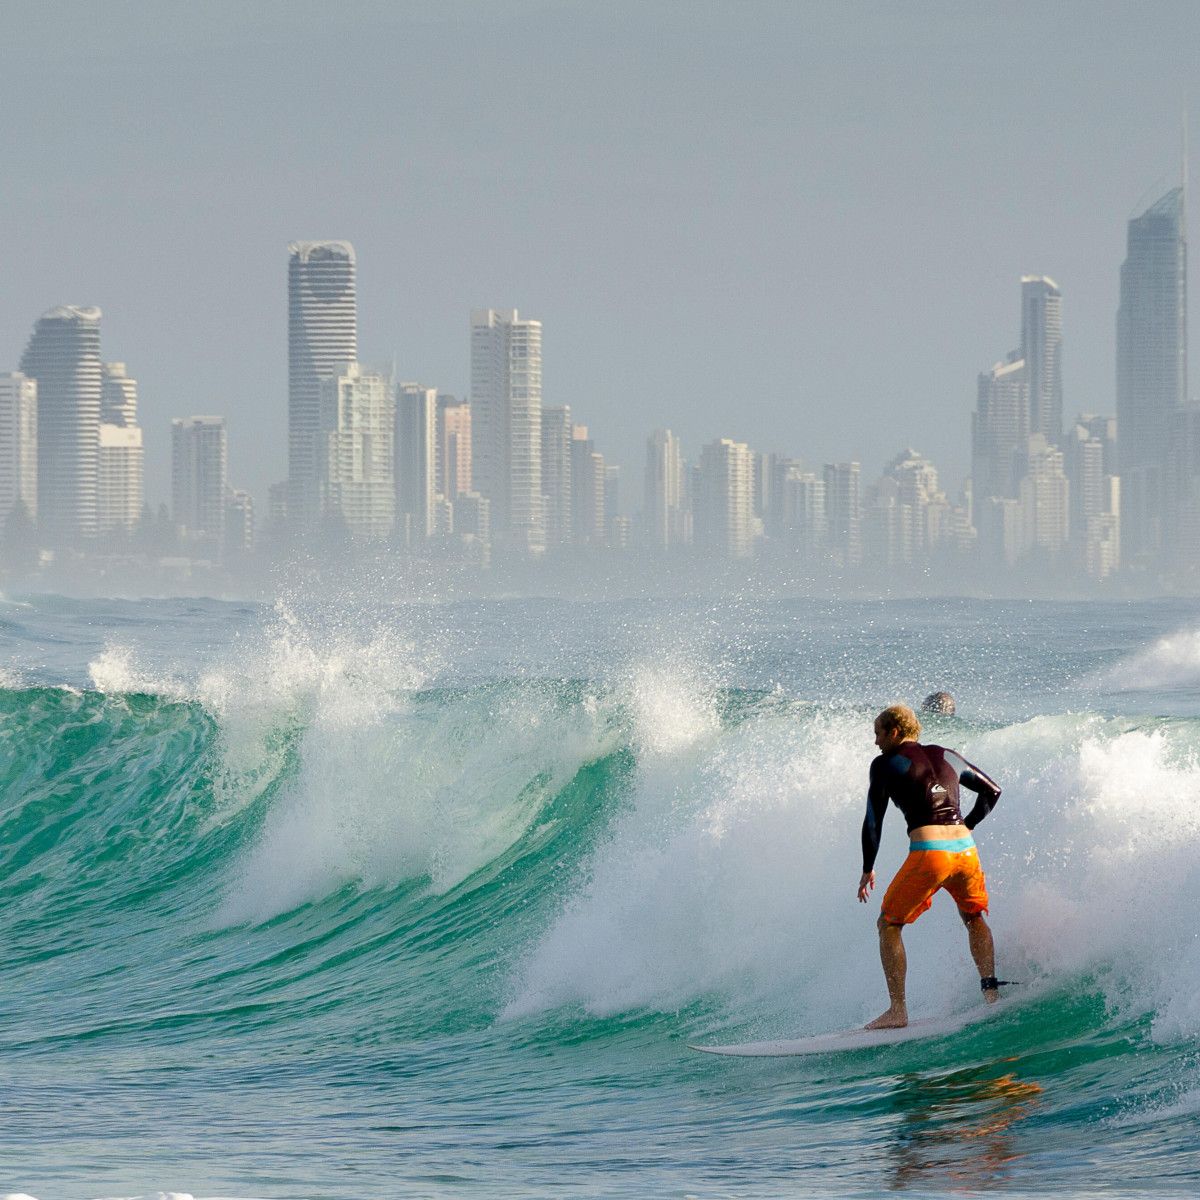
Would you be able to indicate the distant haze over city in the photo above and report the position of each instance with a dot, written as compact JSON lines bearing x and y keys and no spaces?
{"x":800,"y":226}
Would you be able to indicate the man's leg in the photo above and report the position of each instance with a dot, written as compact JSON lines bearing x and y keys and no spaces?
{"x":895,"y":968}
{"x":983,"y":950}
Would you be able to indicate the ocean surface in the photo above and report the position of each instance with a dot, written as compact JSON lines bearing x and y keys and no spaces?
{"x":371,"y":899}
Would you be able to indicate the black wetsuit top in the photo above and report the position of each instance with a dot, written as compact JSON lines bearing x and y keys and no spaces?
{"x":924,"y":786}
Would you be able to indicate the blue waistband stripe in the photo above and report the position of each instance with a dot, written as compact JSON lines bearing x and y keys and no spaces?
{"x":950,"y":844}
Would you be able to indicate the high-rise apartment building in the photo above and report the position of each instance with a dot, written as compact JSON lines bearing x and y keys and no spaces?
{"x":800,"y":495}
{"x":556,"y":474}
{"x":199,"y":483}
{"x":724,"y":502}
{"x":587,"y":490}
{"x":453,"y":447}
{"x":663,"y":504}
{"x":1043,"y":494}
{"x":356,"y":478}
{"x":843,"y":509}
{"x":239,"y":524}
{"x":1151,"y":369}
{"x":1041,"y":350}
{"x":63,"y":355}
{"x":1000,"y":429}
{"x":1090,"y":451}
{"x":612,"y":502}
{"x":416,"y":457}
{"x":18,"y":446}
{"x":322,"y":342}
{"x":506,"y":424}
{"x":907,"y":514}
{"x":121,"y":463}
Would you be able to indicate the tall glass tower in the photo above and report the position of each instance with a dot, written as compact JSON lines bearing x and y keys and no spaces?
{"x":322,"y":342}
{"x":1041,"y":348}
{"x":1151,"y":368}
{"x":63,"y":355}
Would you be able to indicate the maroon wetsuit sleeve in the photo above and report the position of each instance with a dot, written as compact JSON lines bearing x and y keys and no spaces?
{"x":877,"y":800}
{"x":987,"y":790}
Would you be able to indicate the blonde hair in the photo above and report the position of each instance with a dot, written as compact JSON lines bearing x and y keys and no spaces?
{"x":902,"y":719}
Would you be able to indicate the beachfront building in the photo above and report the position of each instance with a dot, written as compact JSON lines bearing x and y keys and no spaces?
{"x":63,"y":356}
{"x":724,"y":501}
{"x":199,"y":484}
{"x":18,"y":446}
{"x":843,"y":512}
{"x":1000,"y":428}
{"x":356,"y":479}
{"x":121,"y":458}
{"x":322,"y":342}
{"x":506,"y":425}
{"x":1151,"y":370}
{"x":664,"y":512}
{"x":453,"y":447}
{"x":556,"y":475}
{"x":1041,"y":351}
{"x":416,"y":458}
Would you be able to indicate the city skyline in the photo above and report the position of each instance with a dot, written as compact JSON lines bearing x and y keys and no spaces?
{"x":376,"y":461}
{"x":850,"y":239}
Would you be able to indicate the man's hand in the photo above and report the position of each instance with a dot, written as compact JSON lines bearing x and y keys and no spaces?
{"x":865,"y":884}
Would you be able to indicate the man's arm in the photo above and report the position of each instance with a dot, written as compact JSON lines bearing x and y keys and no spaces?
{"x":873,"y":822}
{"x":987,"y":790}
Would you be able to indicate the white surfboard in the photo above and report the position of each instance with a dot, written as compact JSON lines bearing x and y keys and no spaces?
{"x":856,"y":1039}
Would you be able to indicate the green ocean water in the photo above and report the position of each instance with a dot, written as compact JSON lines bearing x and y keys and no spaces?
{"x":302,"y":904}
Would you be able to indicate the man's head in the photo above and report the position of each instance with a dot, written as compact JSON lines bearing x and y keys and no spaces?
{"x":895,"y":725}
{"x":938,"y":702}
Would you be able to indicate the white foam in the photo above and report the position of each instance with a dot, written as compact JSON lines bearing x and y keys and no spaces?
{"x":390,"y":785}
{"x":1172,"y":661}
{"x":733,"y":875}
{"x":117,"y":672}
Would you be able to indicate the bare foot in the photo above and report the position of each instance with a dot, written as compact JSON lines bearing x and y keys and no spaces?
{"x":991,"y":995}
{"x":894,"y":1018}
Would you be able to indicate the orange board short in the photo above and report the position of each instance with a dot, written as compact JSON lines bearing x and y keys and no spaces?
{"x":923,"y":872}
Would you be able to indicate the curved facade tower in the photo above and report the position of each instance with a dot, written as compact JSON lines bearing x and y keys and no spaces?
{"x":63,"y":355}
{"x":322,"y":341}
{"x":1151,"y":369}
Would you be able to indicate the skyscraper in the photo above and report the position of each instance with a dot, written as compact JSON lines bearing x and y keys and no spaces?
{"x":1044,"y":500}
{"x":453,"y":447}
{"x":724,"y":505}
{"x":416,"y":456}
{"x":843,"y":511}
{"x":587,"y":489}
{"x":1000,"y":429}
{"x":63,"y":355}
{"x":322,"y":341}
{"x":1090,"y":449}
{"x":18,"y":446}
{"x":121,"y":468}
{"x":199,"y":483}
{"x":556,"y":474}
{"x":506,"y":424}
{"x":356,"y":478}
{"x":1041,"y":348}
{"x":663,"y":508}
{"x":1151,"y":368}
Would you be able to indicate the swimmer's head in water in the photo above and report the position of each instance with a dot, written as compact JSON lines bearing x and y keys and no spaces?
{"x":938,"y":702}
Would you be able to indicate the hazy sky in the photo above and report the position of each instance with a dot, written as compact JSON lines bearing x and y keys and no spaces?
{"x":797,"y":224}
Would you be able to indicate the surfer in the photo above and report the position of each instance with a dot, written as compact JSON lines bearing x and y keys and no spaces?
{"x":923,"y":781}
